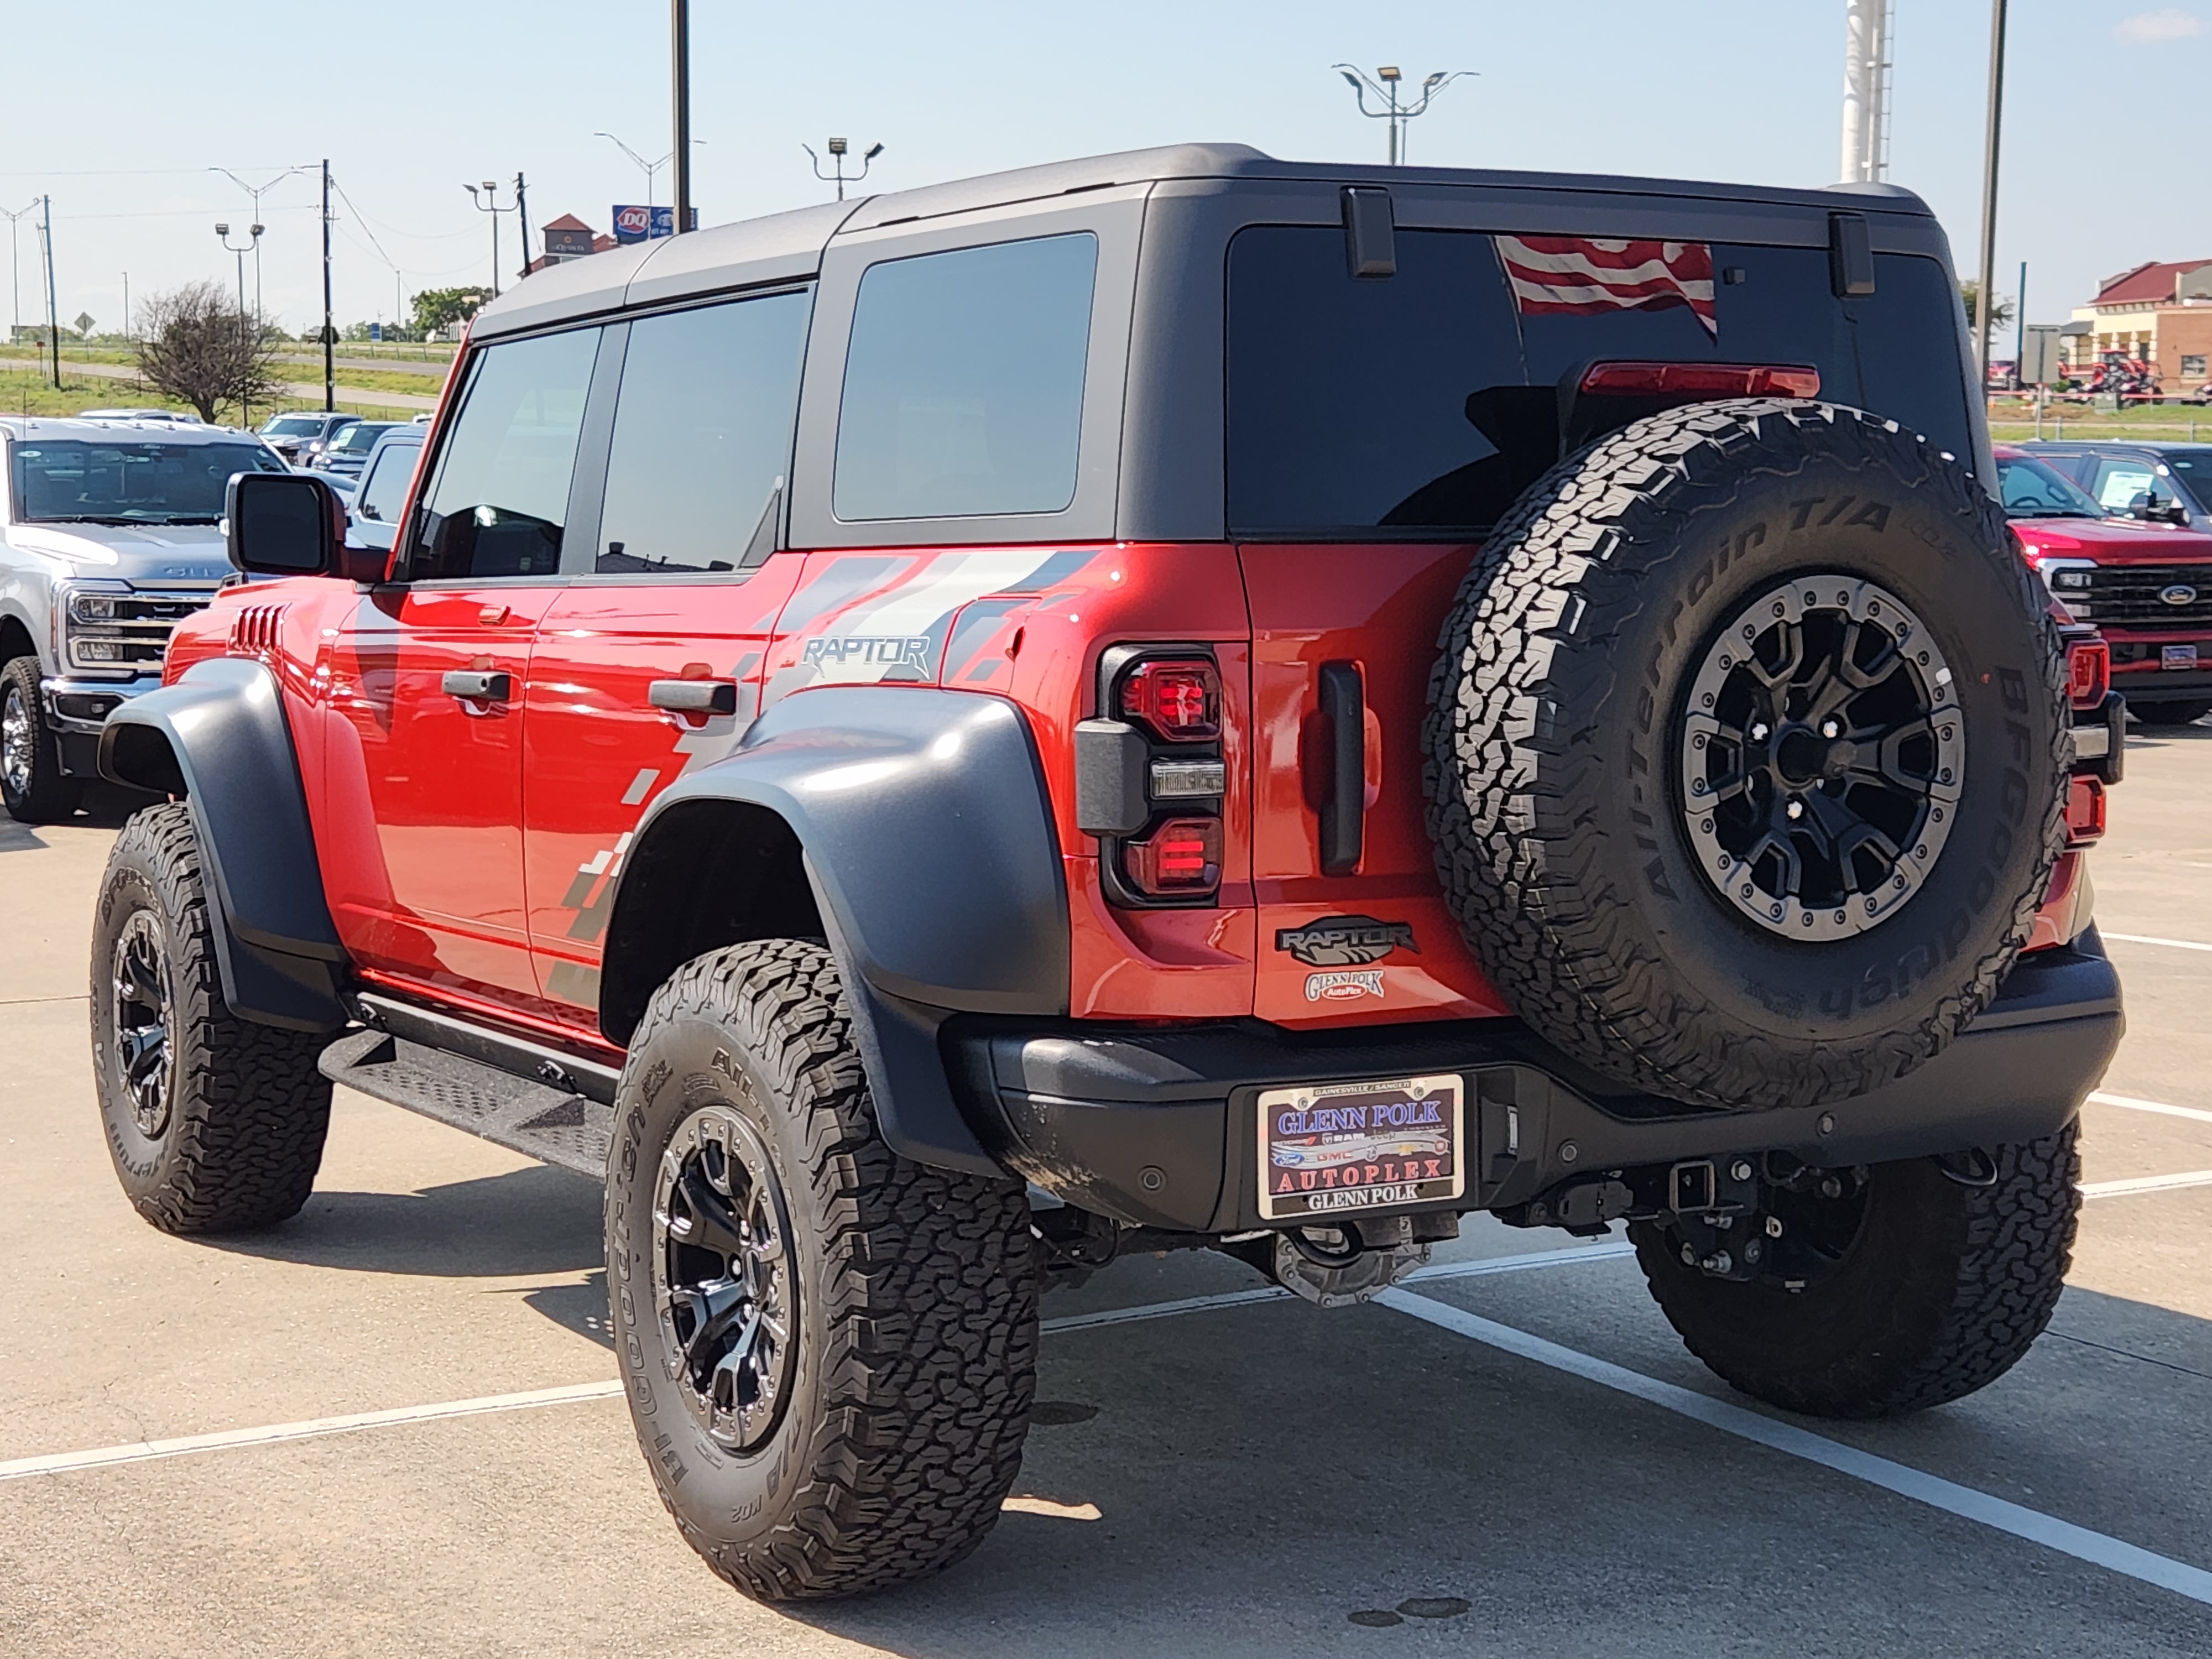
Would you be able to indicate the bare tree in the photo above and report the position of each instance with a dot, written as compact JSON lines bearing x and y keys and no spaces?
{"x":199,"y":347}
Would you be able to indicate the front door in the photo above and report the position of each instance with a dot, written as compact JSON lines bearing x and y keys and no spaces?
{"x":425,"y":683}
{"x":650,"y":662}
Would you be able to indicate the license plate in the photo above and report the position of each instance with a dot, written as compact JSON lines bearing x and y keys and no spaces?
{"x":2177,"y":656}
{"x":1330,"y":1148}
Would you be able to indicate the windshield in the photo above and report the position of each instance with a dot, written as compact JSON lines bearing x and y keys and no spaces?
{"x":70,"y":481}
{"x":2033,"y":490}
{"x":292,"y":425}
{"x":360,"y":438}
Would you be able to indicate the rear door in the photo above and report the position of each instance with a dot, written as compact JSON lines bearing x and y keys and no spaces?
{"x":424,"y":690}
{"x":649,"y":665}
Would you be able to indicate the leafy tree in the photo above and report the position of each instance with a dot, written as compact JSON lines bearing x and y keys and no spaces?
{"x":1970,"y":290}
{"x":200,"y":350}
{"x":437,"y":306}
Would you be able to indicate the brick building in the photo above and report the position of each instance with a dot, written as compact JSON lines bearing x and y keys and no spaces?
{"x":2160,"y":312}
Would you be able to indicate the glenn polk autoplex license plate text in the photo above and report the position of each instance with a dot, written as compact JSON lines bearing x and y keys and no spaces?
{"x":1328,"y":1148}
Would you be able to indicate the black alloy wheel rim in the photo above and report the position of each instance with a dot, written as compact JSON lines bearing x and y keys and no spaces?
{"x":145,"y":1051}
{"x":1822,"y":758}
{"x":723,"y":1278}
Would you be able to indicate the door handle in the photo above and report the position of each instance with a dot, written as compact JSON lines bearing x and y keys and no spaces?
{"x":475,"y":686}
{"x":695,"y":697}
{"x":1344,"y":808}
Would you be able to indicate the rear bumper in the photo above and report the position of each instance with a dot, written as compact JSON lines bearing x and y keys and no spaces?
{"x":1156,"y":1126}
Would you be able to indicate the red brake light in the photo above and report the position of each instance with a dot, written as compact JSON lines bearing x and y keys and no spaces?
{"x":1179,"y":697}
{"x":2088,"y":673}
{"x":1701,"y":380}
{"x":2085,"y":811}
{"x":1181,"y":858}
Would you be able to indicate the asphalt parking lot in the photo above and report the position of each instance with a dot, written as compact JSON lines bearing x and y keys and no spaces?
{"x":1515,"y":1456}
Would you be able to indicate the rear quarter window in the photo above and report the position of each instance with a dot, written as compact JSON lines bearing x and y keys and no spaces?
{"x":963,"y":382}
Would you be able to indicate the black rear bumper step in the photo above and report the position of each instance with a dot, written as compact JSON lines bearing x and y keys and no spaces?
{"x":555,"y":1125}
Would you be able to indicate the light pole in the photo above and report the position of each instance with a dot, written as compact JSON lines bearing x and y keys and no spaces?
{"x":837,"y":149}
{"x":252,"y":245}
{"x":647,"y":167}
{"x":1983,"y":300}
{"x":1396,"y":113}
{"x":489,"y":202}
{"x":256,"y":192}
{"x":14,"y":268}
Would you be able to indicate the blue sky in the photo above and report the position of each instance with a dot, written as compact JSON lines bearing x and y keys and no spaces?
{"x":120,"y":111}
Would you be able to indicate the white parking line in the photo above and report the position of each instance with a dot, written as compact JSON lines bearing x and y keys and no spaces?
{"x":2159,"y":1106}
{"x":274,"y":1434}
{"x":2148,"y":938}
{"x":2165,"y":1183}
{"x":2021,"y":1521}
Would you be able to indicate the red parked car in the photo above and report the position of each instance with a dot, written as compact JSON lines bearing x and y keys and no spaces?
{"x":2146,"y":586}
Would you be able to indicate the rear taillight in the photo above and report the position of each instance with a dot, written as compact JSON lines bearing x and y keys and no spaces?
{"x":2088,"y":673}
{"x":1180,"y":858}
{"x":1178,"y":698}
{"x":2085,"y":810}
{"x":1701,"y":380}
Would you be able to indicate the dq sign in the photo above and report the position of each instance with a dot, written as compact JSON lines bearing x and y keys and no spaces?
{"x":638,"y":224}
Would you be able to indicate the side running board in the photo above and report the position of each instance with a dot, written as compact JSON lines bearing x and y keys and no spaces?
{"x":546,"y":1105}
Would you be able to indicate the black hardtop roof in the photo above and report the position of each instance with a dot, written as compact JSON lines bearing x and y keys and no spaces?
{"x":788,"y":247}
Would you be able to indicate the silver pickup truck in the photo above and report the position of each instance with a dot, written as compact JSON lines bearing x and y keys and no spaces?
{"x":108,"y":534}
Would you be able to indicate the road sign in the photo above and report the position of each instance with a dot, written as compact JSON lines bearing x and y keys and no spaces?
{"x":638,"y":224}
{"x":2038,"y":359}
{"x":84,"y":322}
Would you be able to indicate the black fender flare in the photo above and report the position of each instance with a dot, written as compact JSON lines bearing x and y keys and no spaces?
{"x":217,"y":736}
{"x":923,"y":832}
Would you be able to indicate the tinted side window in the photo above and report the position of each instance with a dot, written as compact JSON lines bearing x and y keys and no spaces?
{"x":703,"y":433}
{"x":1359,"y":403}
{"x":383,"y":491}
{"x":501,"y":496}
{"x":963,"y":382}
{"x":1908,"y":351}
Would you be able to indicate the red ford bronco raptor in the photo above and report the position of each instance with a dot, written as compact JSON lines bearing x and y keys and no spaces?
{"x":1176,"y":700}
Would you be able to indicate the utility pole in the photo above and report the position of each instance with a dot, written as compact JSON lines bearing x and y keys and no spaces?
{"x":838,"y":149}
{"x":522,"y":218}
{"x":126,"y":307}
{"x":2020,"y":328}
{"x":680,"y":30}
{"x":1392,"y":111}
{"x":1866,"y":90}
{"x":53,"y":310}
{"x":1983,"y":301}
{"x":330,"y":347}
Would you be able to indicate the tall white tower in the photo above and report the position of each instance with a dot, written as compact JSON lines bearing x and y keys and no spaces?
{"x":1867,"y":26}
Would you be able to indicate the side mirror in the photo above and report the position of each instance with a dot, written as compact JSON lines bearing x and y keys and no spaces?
{"x":281,"y":524}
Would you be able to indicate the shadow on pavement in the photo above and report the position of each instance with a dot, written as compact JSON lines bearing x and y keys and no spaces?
{"x":579,"y":1308}
{"x":533,"y":1220}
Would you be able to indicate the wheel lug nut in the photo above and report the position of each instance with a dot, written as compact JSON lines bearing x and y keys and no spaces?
{"x":1759,"y":732}
{"x":1797,"y":809}
{"x":1829,"y":729}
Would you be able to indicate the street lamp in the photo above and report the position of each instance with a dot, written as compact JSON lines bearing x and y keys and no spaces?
{"x":489,"y":202}
{"x":252,"y":245}
{"x":257,"y":193}
{"x":14,"y":269}
{"x":1396,"y":113}
{"x":838,"y":148}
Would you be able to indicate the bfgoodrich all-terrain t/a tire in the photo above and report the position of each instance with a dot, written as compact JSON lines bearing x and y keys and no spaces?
{"x":1745,"y":748}
{"x":215,"y":1124}
{"x":1945,"y":1272}
{"x":830,"y":1351}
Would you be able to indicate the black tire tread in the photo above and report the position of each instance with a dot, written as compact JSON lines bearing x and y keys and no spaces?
{"x":52,"y":796}
{"x":2004,"y":1249}
{"x":1510,"y":786}
{"x":931,"y":1297}
{"x":250,"y":1110}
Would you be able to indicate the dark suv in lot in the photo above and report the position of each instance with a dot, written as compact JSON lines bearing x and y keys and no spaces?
{"x":1174,"y":700}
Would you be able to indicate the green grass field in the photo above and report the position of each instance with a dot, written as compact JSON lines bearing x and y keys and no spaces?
{"x":28,"y":392}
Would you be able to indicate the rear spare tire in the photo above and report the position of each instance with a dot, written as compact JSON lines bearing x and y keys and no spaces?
{"x":1745,"y":753}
